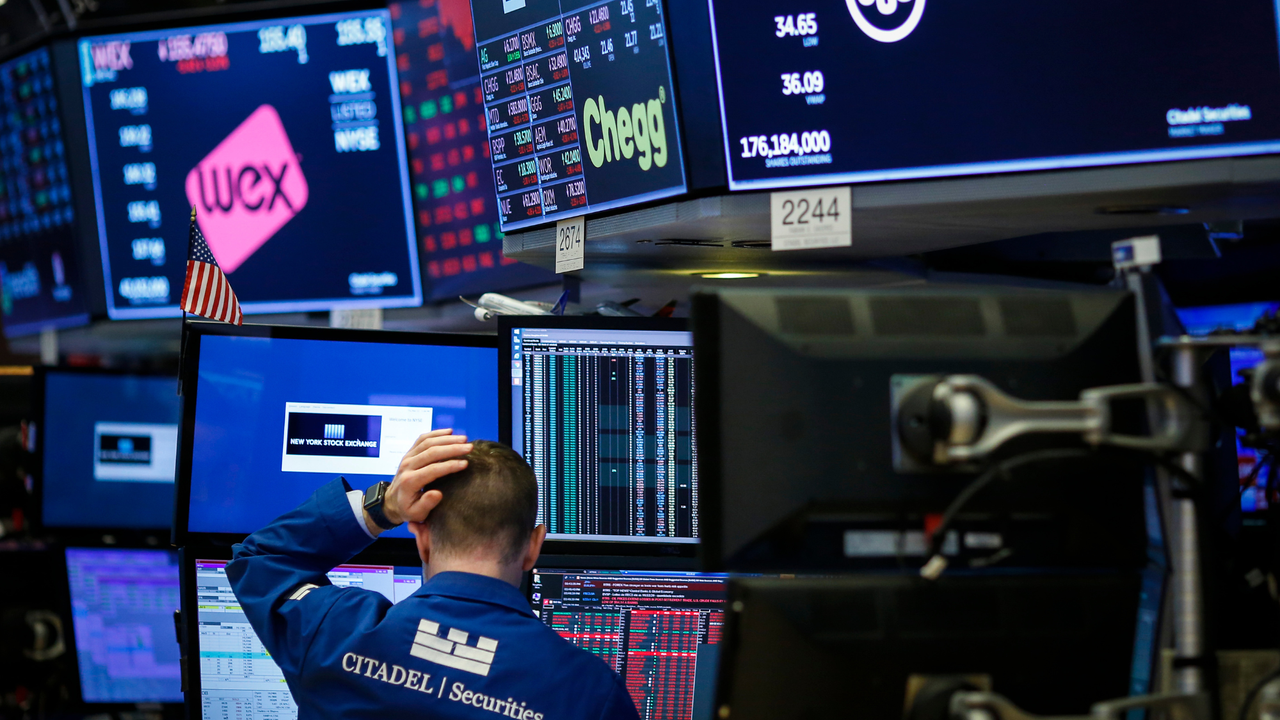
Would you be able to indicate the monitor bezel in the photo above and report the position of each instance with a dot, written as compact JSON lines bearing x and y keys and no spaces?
{"x":617,"y":548}
{"x":187,"y":387}
{"x":169,"y":709}
{"x":105,"y":534}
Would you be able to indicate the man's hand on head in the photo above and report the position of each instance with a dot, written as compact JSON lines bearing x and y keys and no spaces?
{"x":433,"y":455}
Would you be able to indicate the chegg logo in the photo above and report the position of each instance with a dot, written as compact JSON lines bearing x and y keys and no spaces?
{"x":639,"y":132}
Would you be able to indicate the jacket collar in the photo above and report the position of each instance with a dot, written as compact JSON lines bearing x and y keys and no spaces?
{"x":481,"y":588}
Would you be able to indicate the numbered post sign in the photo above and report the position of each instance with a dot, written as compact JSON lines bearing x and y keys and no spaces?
{"x":806,"y":219}
{"x":571,"y":236}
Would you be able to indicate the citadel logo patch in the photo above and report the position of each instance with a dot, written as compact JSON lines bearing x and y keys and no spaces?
{"x":452,"y":650}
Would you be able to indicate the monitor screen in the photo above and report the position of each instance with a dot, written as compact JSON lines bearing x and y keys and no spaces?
{"x":302,"y":166}
{"x":580,"y":106}
{"x":238,"y":679}
{"x":842,"y":91}
{"x":278,"y":417}
{"x":40,"y":273}
{"x":109,"y":449}
{"x":122,"y":605}
{"x":605,"y":418}
{"x":653,"y":628}
{"x":1258,"y":481}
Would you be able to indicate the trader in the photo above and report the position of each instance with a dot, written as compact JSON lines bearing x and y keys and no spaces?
{"x":465,"y":645}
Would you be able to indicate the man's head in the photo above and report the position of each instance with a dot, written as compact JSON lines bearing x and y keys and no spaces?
{"x":487,"y":518}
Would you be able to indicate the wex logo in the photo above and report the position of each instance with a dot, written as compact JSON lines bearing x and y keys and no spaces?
{"x":248,"y":187}
{"x":99,"y":62}
{"x":887,"y":10}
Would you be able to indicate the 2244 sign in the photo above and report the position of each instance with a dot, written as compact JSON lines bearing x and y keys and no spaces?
{"x":808,"y":219}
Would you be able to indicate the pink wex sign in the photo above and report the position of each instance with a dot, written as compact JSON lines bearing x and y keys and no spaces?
{"x":247,"y":188}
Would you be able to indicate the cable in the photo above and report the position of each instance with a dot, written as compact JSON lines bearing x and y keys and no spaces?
{"x":937,"y":563}
{"x":1253,"y":693}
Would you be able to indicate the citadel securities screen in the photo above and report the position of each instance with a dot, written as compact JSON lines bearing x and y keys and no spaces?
{"x":580,"y":106}
{"x":277,"y":418}
{"x":40,"y":273}
{"x":866,"y":90}
{"x":286,"y":137}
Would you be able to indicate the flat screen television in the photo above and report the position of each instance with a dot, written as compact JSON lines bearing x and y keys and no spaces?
{"x":581,"y":106}
{"x":284,"y":135}
{"x":844,"y":91}
{"x":108,"y":444}
{"x":41,"y":276}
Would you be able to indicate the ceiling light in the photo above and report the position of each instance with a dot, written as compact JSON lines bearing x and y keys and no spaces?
{"x":728,"y":275}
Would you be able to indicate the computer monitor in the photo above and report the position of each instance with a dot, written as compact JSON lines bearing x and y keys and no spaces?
{"x":108,"y":445}
{"x":285,"y":135}
{"x":870,"y":645}
{"x":839,"y":92}
{"x":236,"y":677}
{"x":122,"y":606}
{"x":580,"y":104}
{"x":40,"y":262}
{"x":1258,"y":482}
{"x":273,"y":413}
{"x":602,"y":409}
{"x":659,"y":630}
{"x":797,"y":427}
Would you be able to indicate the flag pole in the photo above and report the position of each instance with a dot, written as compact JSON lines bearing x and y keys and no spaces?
{"x":182,"y":342}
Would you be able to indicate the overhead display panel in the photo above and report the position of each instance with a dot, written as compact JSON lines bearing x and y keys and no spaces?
{"x":871,"y":90}
{"x":580,"y":106}
{"x":285,"y":135}
{"x":41,"y":280}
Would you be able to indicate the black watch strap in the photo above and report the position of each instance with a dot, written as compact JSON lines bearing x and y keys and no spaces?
{"x":373,"y":500}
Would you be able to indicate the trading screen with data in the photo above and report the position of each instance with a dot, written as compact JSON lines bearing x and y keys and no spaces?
{"x":653,"y":628}
{"x":606,"y":420}
{"x":580,"y":106}
{"x":260,"y":127}
{"x":238,"y":679}
{"x":41,"y":280}
{"x":122,"y":605}
{"x":865,"y":90}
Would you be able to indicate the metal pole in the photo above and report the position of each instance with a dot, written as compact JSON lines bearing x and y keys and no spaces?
{"x":1188,"y":602}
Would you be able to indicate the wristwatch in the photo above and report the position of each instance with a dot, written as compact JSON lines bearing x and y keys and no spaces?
{"x":373,"y":499}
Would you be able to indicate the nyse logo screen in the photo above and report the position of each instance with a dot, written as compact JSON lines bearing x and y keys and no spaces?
{"x":286,"y":138}
{"x":334,"y":435}
{"x":579,"y":105}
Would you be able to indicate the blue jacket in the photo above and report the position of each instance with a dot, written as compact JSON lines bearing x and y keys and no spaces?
{"x":463,"y":646}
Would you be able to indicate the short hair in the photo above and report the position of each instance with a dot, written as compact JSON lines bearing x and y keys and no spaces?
{"x":492,"y":503}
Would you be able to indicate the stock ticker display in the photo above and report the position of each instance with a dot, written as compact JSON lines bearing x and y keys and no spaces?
{"x":122,"y":605}
{"x":893,"y":89}
{"x":305,"y":106}
{"x":648,"y":626}
{"x":454,"y":203}
{"x":579,"y":105}
{"x":40,"y":273}
{"x":605,"y":418}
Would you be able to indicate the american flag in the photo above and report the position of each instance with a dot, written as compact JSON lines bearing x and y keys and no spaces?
{"x":206,"y":291}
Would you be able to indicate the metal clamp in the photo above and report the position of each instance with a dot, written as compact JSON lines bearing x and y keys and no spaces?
{"x":965,"y":418}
